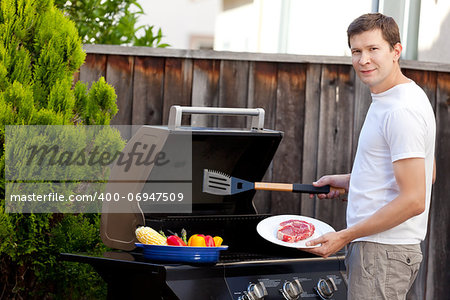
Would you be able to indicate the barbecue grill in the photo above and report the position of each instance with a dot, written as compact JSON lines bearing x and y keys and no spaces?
{"x":252,"y":268}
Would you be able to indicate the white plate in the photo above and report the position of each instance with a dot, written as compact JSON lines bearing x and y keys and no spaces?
{"x":268,"y":228}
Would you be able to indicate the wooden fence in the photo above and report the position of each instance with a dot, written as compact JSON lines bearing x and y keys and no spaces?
{"x":317,"y":102}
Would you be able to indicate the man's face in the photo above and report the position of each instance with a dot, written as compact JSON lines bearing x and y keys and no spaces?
{"x":375,"y":62}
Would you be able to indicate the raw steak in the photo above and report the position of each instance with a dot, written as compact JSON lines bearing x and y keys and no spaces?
{"x":295,"y":230}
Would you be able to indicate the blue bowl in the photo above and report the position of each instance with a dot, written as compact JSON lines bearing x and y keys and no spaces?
{"x":181,"y":254}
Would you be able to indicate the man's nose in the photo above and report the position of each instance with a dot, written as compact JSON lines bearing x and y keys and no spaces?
{"x":365,"y":58}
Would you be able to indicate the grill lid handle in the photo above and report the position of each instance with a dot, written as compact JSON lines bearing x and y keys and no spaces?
{"x":177,"y":111}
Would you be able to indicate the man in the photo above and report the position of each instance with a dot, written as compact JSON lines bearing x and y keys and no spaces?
{"x":389,"y":187}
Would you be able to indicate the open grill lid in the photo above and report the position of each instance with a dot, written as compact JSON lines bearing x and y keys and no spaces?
{"x":243,"y":153}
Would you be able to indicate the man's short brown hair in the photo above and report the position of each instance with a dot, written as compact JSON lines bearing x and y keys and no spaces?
{"x":368,"y":22}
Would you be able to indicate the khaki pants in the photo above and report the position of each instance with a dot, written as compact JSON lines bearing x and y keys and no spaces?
{"x":380,"y":271}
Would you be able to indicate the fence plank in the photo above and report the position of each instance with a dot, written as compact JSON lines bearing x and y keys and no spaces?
{"x":93,"y":68}
{"x":119,"y":73}
{"x":362,"y":102}
{"x":438,"y":259}
{"x":290,"y":119}
{"x":310,"y":140}
{"x":205,"y":90}
{"x":263,"y":93}
{"x":177,"y":85}
{"x":76,"y":77}
{"x":264,"y":89}
{"x":233,"y":85}
{"x":335,"y":136}
{"x":148,"y":91}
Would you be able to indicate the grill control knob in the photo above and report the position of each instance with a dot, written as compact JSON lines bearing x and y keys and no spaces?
{"x":326,"y":288}
{"x":256,"y":291}
{"x":244,"y":297}
{"x":292,"y":290}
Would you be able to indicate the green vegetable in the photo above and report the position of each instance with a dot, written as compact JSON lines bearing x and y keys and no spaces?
{"x":184,"y":235}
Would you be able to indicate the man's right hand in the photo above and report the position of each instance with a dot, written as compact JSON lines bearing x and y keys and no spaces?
{"x":338,"y":181}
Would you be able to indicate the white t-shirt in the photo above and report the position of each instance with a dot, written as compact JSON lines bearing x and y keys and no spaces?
{"x":400,"y":124}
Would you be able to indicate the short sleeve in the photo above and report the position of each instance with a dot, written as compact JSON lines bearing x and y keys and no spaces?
{"x":405,"y":133}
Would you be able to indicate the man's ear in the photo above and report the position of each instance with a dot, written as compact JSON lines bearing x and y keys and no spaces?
{"x":397,"y":51}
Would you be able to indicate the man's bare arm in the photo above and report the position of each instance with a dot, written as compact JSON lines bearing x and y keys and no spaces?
{"x":410,"y":177}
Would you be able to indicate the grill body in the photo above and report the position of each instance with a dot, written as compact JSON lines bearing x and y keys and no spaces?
{"x":250,"y":260}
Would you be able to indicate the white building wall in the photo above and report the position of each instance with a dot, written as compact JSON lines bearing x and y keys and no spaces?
{"x":434,"y":31}
{"x":236,"y":30}
{"x":319,"y":27}
{"x":310,"y":27}
{"x":289,"y":26}
{"x":182,"y":21}
{"x":270,"y":32}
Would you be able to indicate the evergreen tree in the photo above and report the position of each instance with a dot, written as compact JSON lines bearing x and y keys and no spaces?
{"x":40,"y":50}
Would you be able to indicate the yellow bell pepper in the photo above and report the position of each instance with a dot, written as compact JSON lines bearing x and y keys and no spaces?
{"x":197,"y":240}
{"x":217,"y":241}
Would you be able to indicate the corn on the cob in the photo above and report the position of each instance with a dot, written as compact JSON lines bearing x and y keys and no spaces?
{"x":147,"y":235}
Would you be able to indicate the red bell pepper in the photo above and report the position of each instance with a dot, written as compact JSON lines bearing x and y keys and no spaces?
{"x":209,"y":241}
{"x":174,"y":240}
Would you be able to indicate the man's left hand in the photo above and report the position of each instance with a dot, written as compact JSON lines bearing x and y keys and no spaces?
{"x":331,"y":242}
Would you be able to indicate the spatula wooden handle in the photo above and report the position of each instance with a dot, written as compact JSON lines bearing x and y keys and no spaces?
{"x":268,"y":186}
{"x":340,"y":190}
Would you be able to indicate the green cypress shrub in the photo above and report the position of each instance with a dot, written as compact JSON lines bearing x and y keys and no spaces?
{"x":40,"y":51}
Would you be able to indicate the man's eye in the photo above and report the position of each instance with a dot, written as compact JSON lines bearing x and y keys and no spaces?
{"x":355,"y":51}
{"x":372,"y":49}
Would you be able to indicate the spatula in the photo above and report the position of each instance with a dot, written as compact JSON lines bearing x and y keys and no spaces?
{"x":218,"y":183}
